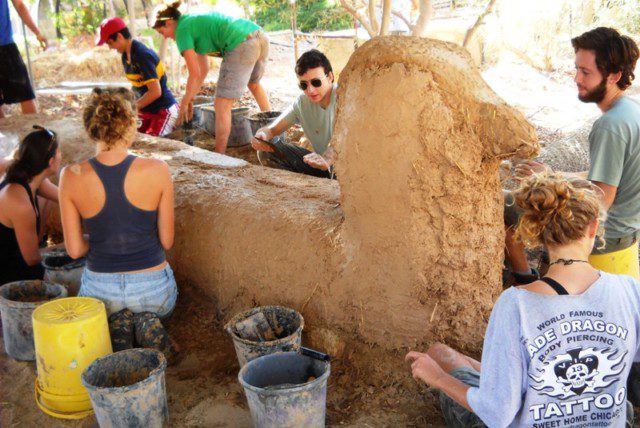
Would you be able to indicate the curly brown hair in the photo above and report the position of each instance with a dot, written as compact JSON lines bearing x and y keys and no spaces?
{"x":169,"y":11}
{"x":557,"y":210}
{"x":109,"y":115}
{"x":614,"y":52}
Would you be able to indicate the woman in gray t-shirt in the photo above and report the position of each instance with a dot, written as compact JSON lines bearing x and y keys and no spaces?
{"x":558,"y":351}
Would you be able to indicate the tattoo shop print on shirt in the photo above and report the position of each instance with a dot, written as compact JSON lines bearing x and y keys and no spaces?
{"x":573,"y":378}
{"x":579,"y":371}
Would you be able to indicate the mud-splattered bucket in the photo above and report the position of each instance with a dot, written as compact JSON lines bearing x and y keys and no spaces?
{"x":18,"y":300}
{"x":127,"y":389}
{"x":62,"y":269}
{"x":262,"y":119}
{"x":240,"y":134}
{"x":286,"y":390}
{"x":69,"y":334}
{"x":265,"y":330}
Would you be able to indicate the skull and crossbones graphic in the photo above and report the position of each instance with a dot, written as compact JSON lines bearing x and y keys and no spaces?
{"x":578,"y":373}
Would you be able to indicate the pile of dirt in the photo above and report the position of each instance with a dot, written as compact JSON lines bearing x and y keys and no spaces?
{"x":96,"y":64}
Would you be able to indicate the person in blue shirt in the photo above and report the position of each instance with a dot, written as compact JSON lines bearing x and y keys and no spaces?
{"x":157,"y":108}
{"x":15,"y":86}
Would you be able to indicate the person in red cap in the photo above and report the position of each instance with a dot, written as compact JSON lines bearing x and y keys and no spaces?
{"x":157,"y":108}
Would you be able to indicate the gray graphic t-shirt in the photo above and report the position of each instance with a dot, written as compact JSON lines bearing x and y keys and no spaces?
{"x":555,"y":361}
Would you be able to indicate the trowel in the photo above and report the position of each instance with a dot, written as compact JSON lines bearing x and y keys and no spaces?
{"x":187,"y":127}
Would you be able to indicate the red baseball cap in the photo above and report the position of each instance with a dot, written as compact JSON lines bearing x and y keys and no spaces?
{"x":108,"y":27}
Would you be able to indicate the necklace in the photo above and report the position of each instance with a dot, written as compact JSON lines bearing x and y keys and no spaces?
{"x":568,"y":262}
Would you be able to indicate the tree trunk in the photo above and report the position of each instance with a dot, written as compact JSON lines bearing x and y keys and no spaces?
{"x":58,"y":32}
{"x":247,"y":9}
{"x":386,"y":17}
{"x":372,"y":17}
{"x":132,"y":17}
{"x":425,"y":14}
{"x":471,"y":31}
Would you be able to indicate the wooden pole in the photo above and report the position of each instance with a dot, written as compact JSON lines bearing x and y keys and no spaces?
{"x":132,"y":17}
{"x":26,"y":48}
{"x":294,"y":29}
{"x":355,"y":35}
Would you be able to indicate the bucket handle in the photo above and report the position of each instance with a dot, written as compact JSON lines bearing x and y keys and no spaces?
{"x":315,"y":354}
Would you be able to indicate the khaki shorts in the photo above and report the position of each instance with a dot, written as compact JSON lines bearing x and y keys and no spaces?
{"x":243,"y":65}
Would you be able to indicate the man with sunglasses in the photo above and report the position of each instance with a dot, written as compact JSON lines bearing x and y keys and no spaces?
{"x":314,"y":110}
{"x":15,"y":86}
{"x":157,"y":108}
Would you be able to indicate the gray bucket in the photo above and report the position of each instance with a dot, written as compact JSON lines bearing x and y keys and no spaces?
{"x":18,"y":300}
{"x":286,"y":390}
{"x":240,"y":129}
{"x":200,"y":101}
{"x":284,"y":326}
{"x":265,"y":118}
{"x":127,"y":389}
{"x":60,"y":268}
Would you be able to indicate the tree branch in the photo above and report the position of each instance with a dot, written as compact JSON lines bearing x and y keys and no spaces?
{"x":356,"y":14}
{"x":403,"y":18}
{"x":471,"y":31}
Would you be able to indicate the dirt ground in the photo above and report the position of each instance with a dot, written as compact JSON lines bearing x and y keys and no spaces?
{"x":203,"y":390}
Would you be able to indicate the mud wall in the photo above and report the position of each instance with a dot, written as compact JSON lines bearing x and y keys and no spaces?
{"x":406,"y":250}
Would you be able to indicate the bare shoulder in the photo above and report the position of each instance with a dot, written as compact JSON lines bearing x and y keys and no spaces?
{"x":17,"y":198}
{"x":157,"y":167}
{"x":72,"y":173}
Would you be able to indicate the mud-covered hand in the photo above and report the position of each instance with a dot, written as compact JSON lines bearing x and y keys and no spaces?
{"x":44,"y":43}
{"x":315,"y":160}
{"x":185,"y":113}
{"x":424,"y":368}
{"x":263,"y":134}
{"x":529,"y":167}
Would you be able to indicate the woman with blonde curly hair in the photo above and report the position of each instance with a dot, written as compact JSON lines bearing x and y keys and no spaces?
{"x":557,"y":351}
{"x":126,"y":205}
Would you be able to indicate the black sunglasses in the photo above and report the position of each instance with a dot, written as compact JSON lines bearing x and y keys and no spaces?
{"x":316,"y":83}
{"x":52,"y":137}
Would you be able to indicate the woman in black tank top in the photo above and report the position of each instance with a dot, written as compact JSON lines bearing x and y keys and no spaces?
{"x":36,"y":159}
{"x":124,"y":204}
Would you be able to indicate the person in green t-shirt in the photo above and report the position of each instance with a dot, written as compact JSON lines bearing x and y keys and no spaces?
{"x":605,"y":63}
{"x":244,"y":49}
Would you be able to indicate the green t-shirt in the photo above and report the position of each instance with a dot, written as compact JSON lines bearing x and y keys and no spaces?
{"x":614,"y":151}
{"x":213,"y":33}
{"x":316,"y":122}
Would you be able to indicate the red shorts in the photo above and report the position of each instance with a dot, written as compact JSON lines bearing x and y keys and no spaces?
{"x":160,"y":123}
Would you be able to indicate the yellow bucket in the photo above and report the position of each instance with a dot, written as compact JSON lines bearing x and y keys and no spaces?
{"x":624,"y":262}
{"x":69,"y":334}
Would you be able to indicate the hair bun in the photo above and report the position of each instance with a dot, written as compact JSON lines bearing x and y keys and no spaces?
{"x":556,"y":211}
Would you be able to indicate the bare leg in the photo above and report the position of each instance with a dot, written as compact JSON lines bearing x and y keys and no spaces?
{"x":2,"y":116}
{"x":29,"y":107}
{"x":450,"y":359}
{"x":515,"y":253}
{"x":260,"y":95}
{"x":222,"y":107}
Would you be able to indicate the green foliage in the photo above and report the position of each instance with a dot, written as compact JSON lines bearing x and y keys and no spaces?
{"x":621,"y":14}
{"x":80,"y":17}
{"x":311,"y":15}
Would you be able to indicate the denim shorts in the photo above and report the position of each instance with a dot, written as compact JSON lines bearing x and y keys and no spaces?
{"x":454,"y":414}
{"x":155,"y":291}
